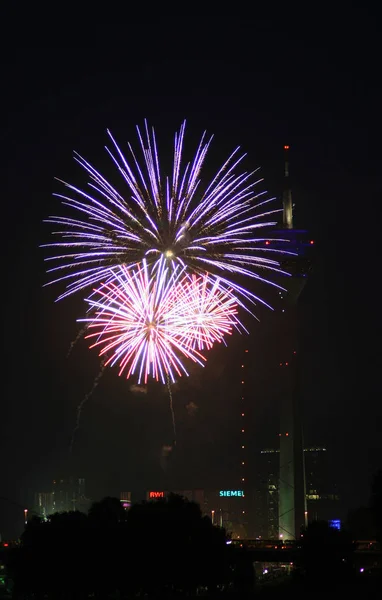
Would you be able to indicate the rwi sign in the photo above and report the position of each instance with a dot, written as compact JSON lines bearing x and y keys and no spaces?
{"x":156,"y":494}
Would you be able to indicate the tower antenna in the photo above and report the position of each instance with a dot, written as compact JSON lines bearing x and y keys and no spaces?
{"x":287,"y":193}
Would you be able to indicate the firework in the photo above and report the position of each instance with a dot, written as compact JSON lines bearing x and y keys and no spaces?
{"x":217,"y":226}
{"x":209,"y":311}
{"x":149,"y":323}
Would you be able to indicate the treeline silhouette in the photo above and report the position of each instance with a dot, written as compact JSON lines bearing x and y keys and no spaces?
{"x":159,"y":547}
{"x":365,"y":522}
{"x":167,"y":547}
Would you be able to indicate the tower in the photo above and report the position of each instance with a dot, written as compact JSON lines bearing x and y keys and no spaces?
{"x":243,"y":482}
{"x":287,"y":194}
{"x":296,"y":262}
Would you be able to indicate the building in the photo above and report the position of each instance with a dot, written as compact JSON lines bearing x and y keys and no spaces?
{"x":240,"y":519}
{"x":227,"y":508}
{"x":266,"y":503}
{"x":198,"y":496}
{"x":43,"y":504}
{"x":69,"y":494}
{"x":321,"y":490}
{"x":322,"y":498}
{"x":125,"y":499}
{"x":65,"y":495}
{"x":156,"y":495}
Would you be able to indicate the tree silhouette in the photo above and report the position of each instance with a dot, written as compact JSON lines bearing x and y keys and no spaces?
{"x":181,"y":550}
{"x":110,"y":547}
{"x":360,"y":523}
{"x":108,"y":512}
{"x":51,"y":557}
{"x":164,"y":546}
{"x":326,"y":553}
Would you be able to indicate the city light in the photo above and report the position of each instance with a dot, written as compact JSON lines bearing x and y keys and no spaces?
{"x":156,"y":494}
{"x":231,"y":493}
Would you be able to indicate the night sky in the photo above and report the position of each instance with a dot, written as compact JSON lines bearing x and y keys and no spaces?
{"x":315,"y":86}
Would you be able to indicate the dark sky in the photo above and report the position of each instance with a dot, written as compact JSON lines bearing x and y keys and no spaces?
{"x":309,"y":81}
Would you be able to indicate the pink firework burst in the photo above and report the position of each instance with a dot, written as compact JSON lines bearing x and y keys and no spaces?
{"x":150,"y":320}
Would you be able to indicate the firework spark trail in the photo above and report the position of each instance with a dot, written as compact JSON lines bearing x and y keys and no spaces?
{"x":149,"y":322}
{"x":84,"y":400}
{"x":171,"y":407}
{"x":76,"y":339}
{"x":203,"y":226}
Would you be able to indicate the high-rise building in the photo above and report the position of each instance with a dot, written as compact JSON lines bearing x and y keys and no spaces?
{"x":266,"y":505}
{"x":198,"y":496}
{"x":321,"y":489}
{"x":241,"y":520}
{"x":125,"y":499}
{"x":43,"y":504}
{"x":156,"y":495}
{"x":66,"y":495}
{"x":69,"y":494}
{"x":322,"y":498}
{"x":227,"y":508}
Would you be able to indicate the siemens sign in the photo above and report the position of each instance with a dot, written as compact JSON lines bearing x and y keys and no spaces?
{"x":230,"y":493}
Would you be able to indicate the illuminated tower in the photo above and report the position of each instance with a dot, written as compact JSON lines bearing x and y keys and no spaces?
{"x":287,"y":194}
{"x":292,"y":501}
{"x":243,"y":455}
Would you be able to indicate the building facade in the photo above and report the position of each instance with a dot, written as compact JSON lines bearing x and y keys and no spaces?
{"x":43,"y":504}
{"x":65,"y":495}
{"x":322,"y":498}
{"x":125,"y":499}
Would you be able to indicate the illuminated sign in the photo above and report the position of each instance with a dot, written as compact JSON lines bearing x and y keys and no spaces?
{"x":231,"y":493}
{"x":335,"y":524}
{"x":156,"y":494}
